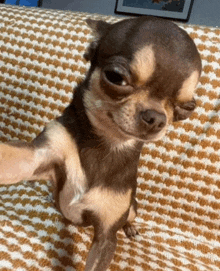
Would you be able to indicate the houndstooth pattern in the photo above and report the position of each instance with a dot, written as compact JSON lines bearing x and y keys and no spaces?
{"x":41,"y":62}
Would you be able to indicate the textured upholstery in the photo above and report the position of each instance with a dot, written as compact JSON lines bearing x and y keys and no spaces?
{"x":41,"y":61}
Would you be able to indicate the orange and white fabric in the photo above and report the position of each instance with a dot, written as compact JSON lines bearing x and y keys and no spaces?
{"x":41,"y":62}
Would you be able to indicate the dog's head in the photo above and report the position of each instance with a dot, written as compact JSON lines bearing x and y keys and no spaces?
{"x":143,"y":75}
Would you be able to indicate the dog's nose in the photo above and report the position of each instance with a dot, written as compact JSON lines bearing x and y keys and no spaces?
{"x":154,"y":120}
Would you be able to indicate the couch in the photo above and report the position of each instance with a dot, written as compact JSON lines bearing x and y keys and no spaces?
{"x":41,"y":62}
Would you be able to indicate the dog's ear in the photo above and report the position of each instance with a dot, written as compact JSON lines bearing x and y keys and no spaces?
{"x":99,"y":29}
{"x":184,"y":110}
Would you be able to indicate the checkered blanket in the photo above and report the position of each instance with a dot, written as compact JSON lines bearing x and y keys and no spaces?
{"x":41,"y":62}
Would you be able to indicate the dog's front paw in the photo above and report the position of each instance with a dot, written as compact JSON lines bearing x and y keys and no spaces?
{"x":16,"y":162}
{"x":130,"y":230}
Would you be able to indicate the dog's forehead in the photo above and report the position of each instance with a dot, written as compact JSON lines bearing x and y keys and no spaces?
{"x":160,"y":55}
{"x":128,"y":36}
{"x":143,"y":39}
{"x":143,"y":64}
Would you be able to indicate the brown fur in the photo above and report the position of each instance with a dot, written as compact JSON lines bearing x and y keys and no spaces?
{"x":138,"y":83}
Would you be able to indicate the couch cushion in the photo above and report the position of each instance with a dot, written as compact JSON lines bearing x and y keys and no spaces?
{"x":41,"y":62}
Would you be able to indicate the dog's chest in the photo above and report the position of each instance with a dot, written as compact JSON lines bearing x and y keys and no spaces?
{"x":109,"y":168}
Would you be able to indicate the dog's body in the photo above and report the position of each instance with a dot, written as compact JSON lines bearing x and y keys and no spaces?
{"x":142,"y":77}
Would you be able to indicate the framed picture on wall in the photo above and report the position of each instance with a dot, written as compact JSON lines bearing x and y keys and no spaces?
{"x":175,"y":9}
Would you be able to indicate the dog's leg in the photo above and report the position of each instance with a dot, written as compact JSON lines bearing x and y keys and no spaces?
{"x":102,"y":250}
{"x":43,"y":158}
{"x":128,"y":228}
{"x":19,"y":160}
{"x":105,"y":209}
{"x":110,"y":210}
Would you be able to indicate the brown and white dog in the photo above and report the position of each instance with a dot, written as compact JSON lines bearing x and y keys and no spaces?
{"x":142,"y":77}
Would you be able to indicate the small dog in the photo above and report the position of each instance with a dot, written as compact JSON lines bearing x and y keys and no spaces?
{"x":142,"y":77}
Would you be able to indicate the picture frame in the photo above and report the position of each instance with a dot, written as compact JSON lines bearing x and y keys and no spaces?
{"x":175,"y":9}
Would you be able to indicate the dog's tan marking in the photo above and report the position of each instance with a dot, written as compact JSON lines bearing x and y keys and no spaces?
{"x":129,"y":144}
{"x":105,"y":126}
{"x":16,"y":163}
{"x":132,"y":214}
{"x":96,"y":88}
{"x":168,"y":110}
{"x":187,"y":90}
{"x":143,"y":64}
{"x":94,"y":99}
{"x":60,"y":141}
{"x":107,"y":204}
{"x":97,"y":106}
{"x":19,"y":163}
{"x":62,"y":145}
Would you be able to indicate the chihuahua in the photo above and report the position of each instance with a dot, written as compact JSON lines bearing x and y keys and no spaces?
{"x":142,"y":77}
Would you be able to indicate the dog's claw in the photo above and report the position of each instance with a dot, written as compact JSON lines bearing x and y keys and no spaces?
{"x":130,"y":230}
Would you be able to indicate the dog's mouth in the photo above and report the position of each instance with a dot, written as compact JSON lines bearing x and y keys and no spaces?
{"x":143,"y":135}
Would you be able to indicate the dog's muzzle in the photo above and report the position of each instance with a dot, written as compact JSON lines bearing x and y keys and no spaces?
{"x":153,"y":120}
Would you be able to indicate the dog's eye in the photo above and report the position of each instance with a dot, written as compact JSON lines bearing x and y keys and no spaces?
{"x":115,"y":76}
{"x":116,"y":81}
